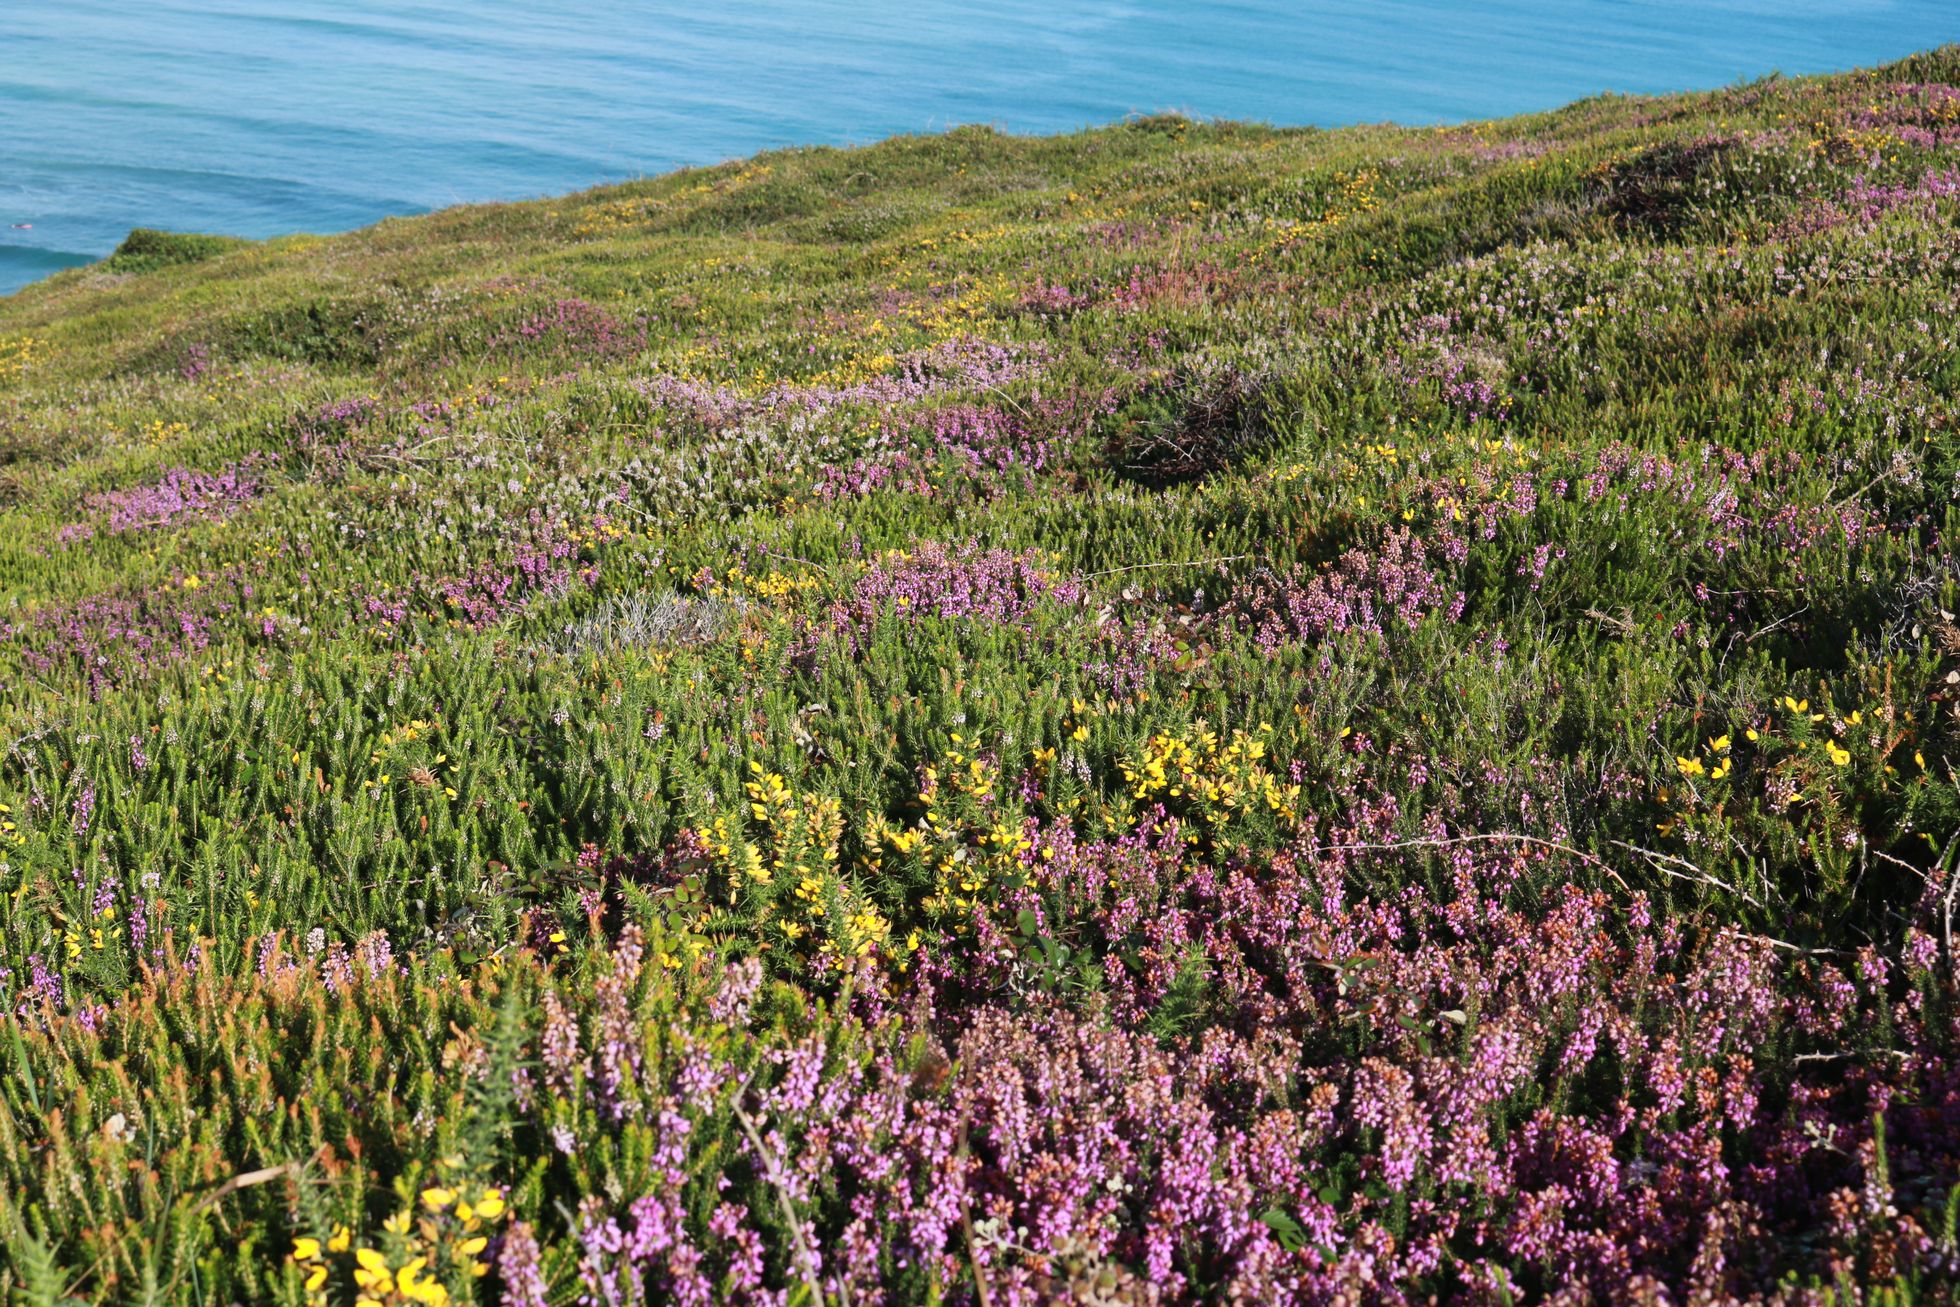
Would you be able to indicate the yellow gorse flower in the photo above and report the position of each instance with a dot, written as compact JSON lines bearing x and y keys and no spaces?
{"x":1219,"y":776}
{"x":371,"y":1272}
{"x":444,"y":1242}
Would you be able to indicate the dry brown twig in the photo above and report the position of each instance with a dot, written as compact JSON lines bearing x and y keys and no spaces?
{"x":1665,"y":863}
{"x":247,"y":1180}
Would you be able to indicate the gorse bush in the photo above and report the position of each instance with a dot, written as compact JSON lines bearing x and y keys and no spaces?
{"x":1185,"y":713}
{"x":146,"y":249}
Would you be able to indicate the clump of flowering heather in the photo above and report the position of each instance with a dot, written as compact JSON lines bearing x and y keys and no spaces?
{"x":1468,"y":375}
{"x":1367,"y":590}
{"x":1866,"y":202}
{"x":1053,"y":301}
{"x":974,"y":363}
{"x":108,"y":638}
{"x":984,"y":450}
{"x":196,"y":362}
{"x":1565,"y":1098}
{"x":537,"y":563}
{"x":576,"y":326}
{"x":1924,"y":115}
{"x":980,"y":441}
{"x":324,"y":438}
{"x":1555,"y":1093}
{"x":341,"y":415}
{"x":1140,"y":288}
{"x":180,"y":496}
{"x":485,"y":594}
{"x":958,"y":583}
{"x":958,"y":365}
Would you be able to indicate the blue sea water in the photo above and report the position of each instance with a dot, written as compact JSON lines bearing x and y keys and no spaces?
{"x":259,"y":117}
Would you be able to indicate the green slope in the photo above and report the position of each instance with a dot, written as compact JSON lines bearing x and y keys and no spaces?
{"x":1271,"y":714}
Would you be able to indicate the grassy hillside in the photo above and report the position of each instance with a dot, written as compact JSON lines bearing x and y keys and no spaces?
{"x":1188,"y":712}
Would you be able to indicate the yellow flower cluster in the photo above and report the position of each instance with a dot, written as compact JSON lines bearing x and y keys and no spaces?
{"x":609,"y":216}
{"x":959,"y":236}
{"x":1846,"y":143}
{"x":747,"y":174}
{"x":1717,"y":749}
{"x":1355,"y":196}
{"x":767,"y":585}
{"x":796,"y":839}
{"x":1799,"y":710}
{"x":19,"y":353}
{"x":421,"y":1255}
{"x":852,"y":369}
{"x":417,"y":766}
{"x":600,"y":530}
{"x":1211,"y":777}
{"x":971,"y":856}
{"x":1883,"y":731}
{"x":961,"y":314}
{"x":614,"y":215}
{"x":1410,"y":484}
{"x":407,"y":733}
{"x":806,"y":828}
{"x":1096,"y":206}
